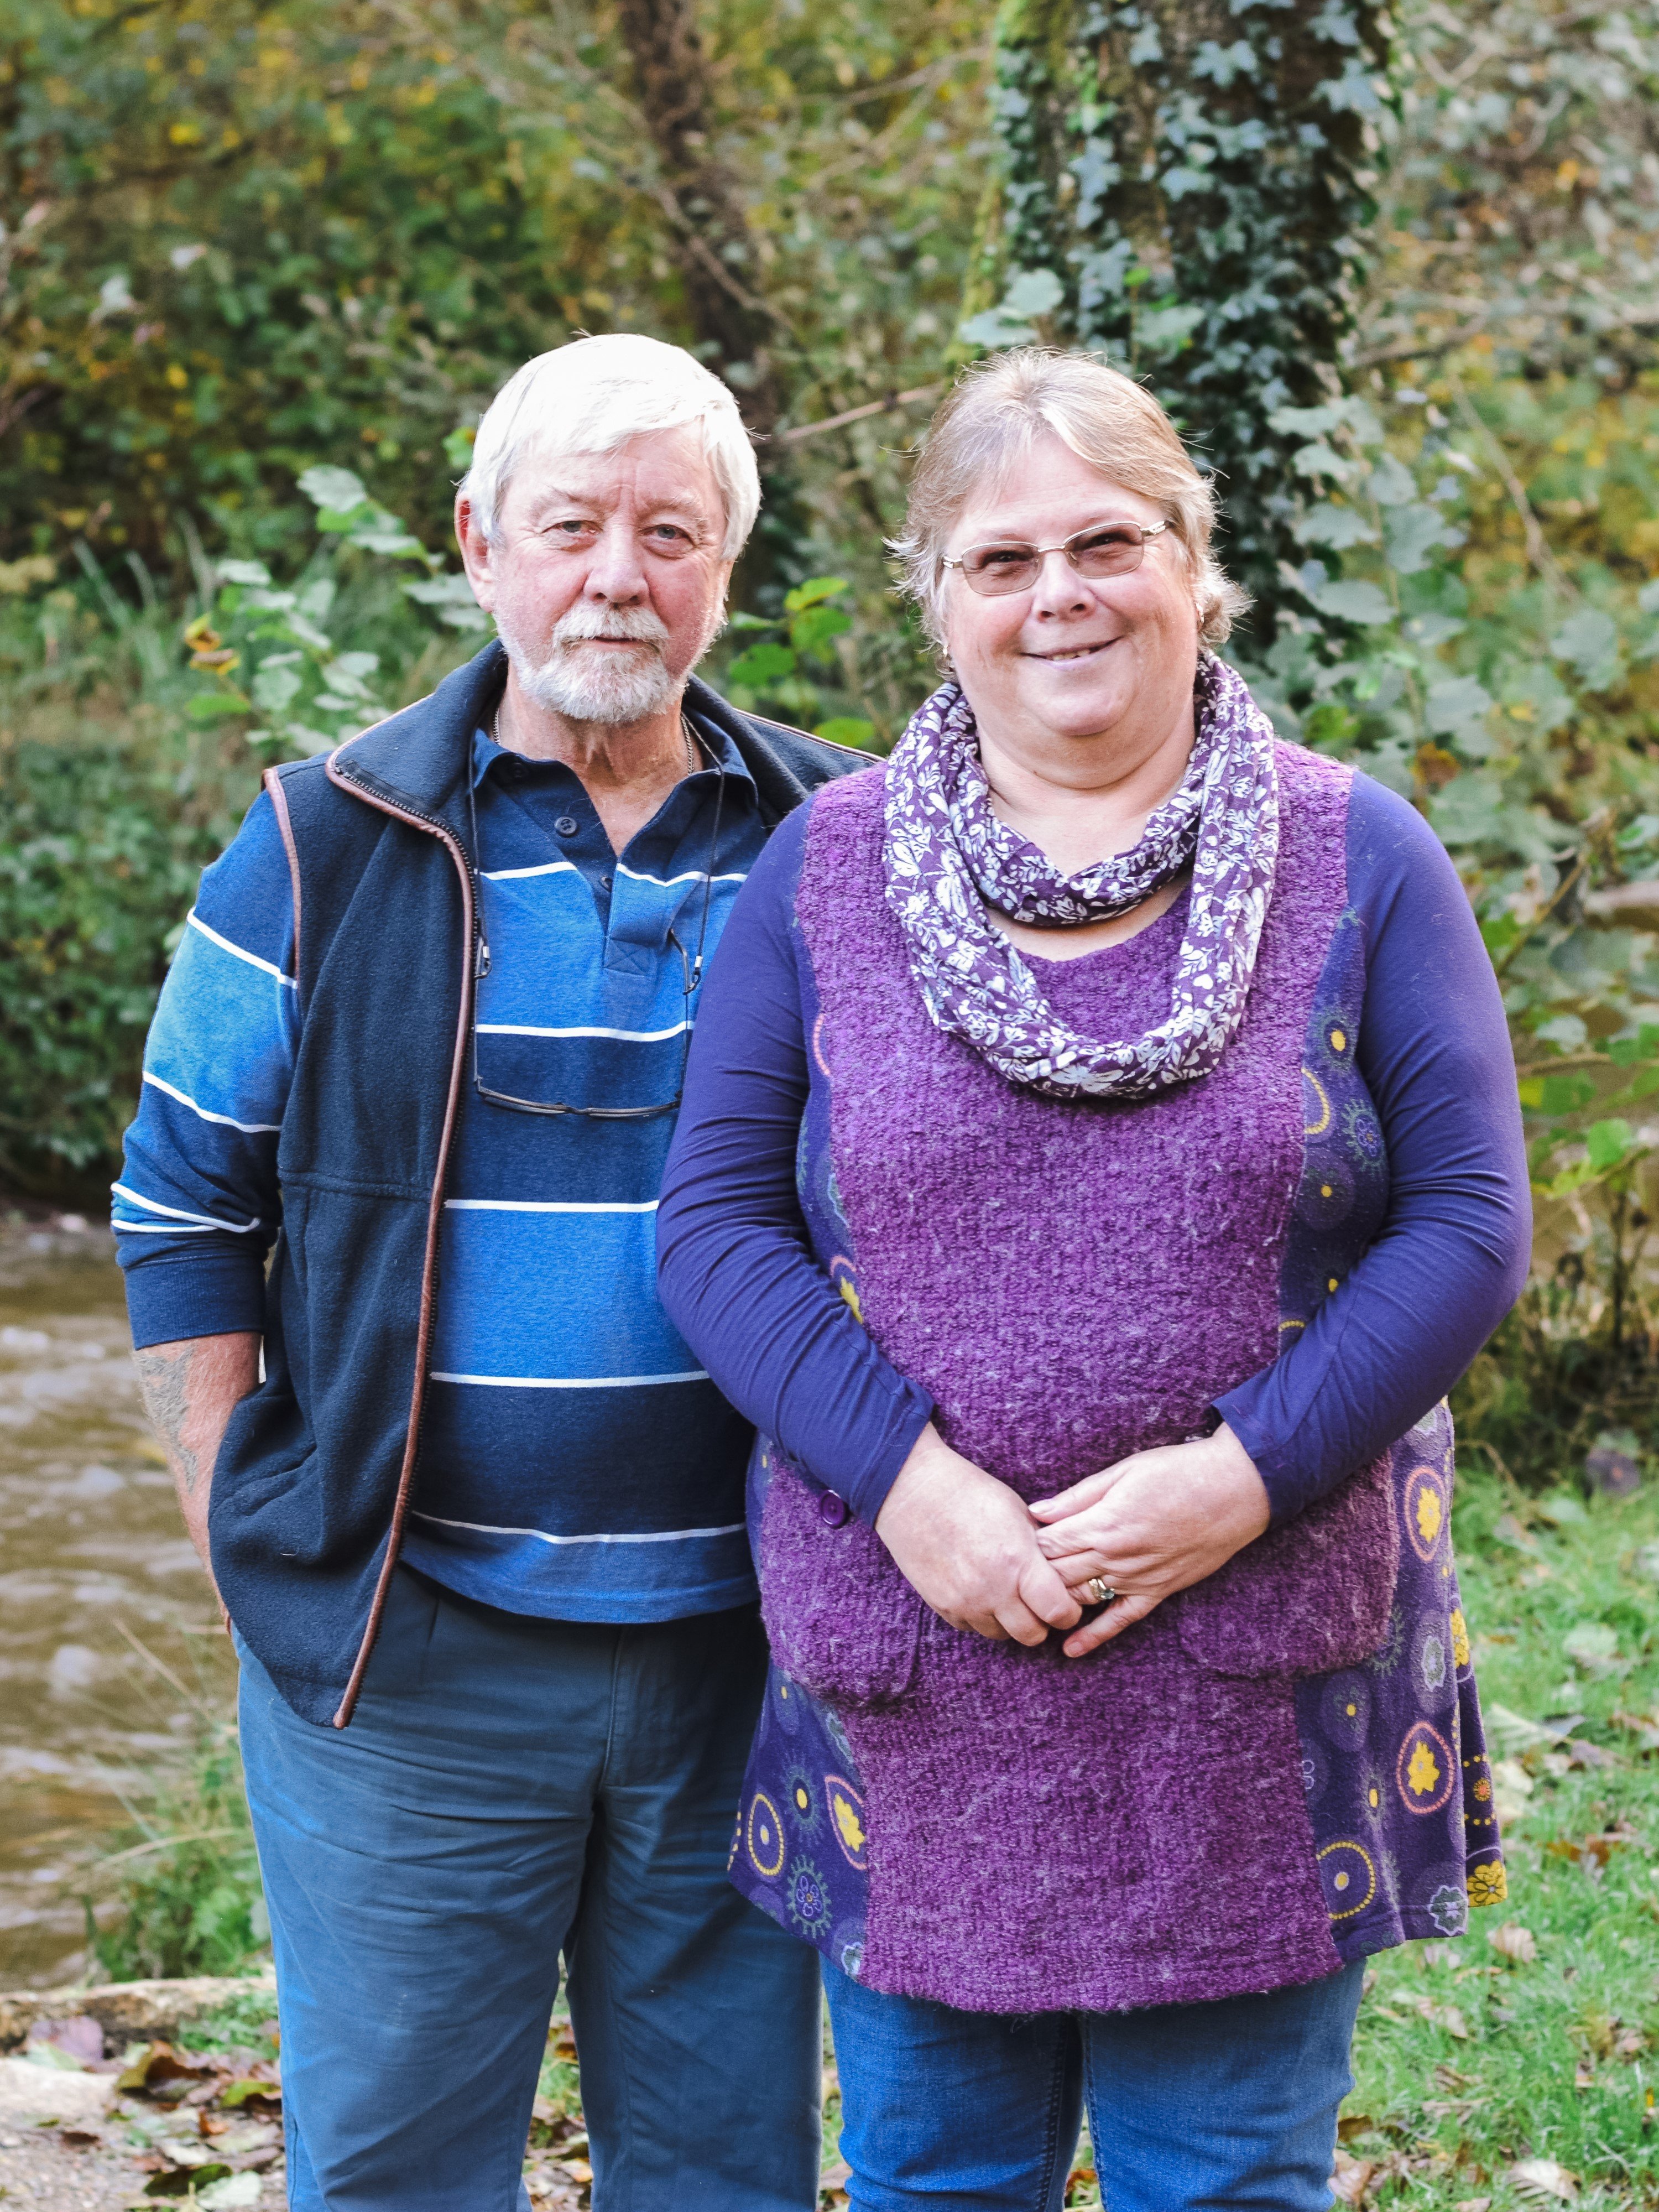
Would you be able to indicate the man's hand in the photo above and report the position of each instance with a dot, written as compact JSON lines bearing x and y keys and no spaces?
{"x":966,"y":1544}
{"x":189,"y":1390}
{"x":1151,"y":1525}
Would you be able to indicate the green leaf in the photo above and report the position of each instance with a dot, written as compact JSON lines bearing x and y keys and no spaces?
{"x":1565,"y":1094}
{"x":739,"y":620}
{"x":334,"y":489}
{"x":1607,"y":1144}
{"x":244,"y":572}
{"x":274,"y":688}
{"x":1353,"y":601}
{"x":1414,"y":532}
{"x":811,"y":632}
{"x":1339,"y":527}
{"x":1589,"y":640}
{"x":395,"y":544}
{"x":847,"y":730}
{"x":1501,"y":932}
{"x":1565,"y":1031}
{"x":804,"y":595}
{"x":215,"y":706}
{"x":1392,"y":483}
{"x":1456,"y":704}
{"x":762,"y":667}
{"x":457,"y":449}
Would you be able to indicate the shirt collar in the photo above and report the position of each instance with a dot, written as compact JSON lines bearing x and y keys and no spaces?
{"x":718,"y":748}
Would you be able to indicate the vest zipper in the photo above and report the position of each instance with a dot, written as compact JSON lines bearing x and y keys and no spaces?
{"x":418,"y":818}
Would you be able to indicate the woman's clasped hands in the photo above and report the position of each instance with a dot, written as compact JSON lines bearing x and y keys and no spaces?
{"x":1151,"y":1525}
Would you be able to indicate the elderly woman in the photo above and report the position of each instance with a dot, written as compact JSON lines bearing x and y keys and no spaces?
{"x":1100,"y":1155}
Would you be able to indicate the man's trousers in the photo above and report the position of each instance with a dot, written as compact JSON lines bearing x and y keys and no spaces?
{"x":510,"y":1788}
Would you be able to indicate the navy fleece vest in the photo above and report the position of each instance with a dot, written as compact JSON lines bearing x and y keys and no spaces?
{"x":308,"y":1479}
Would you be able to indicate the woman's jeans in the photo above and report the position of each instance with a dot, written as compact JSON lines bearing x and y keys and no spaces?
{"x":1192,"y":2108}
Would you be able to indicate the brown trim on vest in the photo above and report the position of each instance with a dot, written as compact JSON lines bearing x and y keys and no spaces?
{"x":273,"y":783}
{"x":434,"y":1215}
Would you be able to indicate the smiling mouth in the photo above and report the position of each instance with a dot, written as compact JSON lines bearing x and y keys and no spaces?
{"x":1071,"y":652}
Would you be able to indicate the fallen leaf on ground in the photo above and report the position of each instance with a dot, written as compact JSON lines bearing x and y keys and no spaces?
{"x":1594,"y":1851}
{"x":1473,"y":2204}
{"x":1543,"y":2177}
{"x":1514,"y":1942}
{"x":1354,"y":2123}
{"x":1351,"y":2179}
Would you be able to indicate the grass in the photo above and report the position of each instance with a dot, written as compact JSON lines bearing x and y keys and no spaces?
{"x":1531,"y":2043}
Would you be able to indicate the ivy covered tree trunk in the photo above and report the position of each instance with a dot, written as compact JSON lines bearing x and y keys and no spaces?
{"x":701,"y":199}
{"x":1187,"y":185}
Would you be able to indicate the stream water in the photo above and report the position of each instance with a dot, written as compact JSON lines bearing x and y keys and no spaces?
{"x":99,"y":1592}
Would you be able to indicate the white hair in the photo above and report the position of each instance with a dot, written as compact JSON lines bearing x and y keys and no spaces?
{"x":595,"y":394}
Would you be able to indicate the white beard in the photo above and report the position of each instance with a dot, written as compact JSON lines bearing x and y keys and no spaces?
{"x":601,"y":685}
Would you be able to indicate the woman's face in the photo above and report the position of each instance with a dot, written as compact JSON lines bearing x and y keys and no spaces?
{"x":1072,"y":657}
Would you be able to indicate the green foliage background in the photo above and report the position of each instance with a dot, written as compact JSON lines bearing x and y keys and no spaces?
{"x":261,"y":268}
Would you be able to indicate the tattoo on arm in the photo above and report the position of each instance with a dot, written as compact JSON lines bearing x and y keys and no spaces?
{"x":164,"y":1379}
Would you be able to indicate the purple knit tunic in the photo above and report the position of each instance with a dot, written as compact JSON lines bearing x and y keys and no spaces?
{"x":1282,"y":1768}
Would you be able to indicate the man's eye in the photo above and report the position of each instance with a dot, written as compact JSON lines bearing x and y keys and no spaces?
{"x":573,"y":526}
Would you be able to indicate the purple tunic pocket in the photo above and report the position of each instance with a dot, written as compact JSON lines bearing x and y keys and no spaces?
{"x":1307,"y":1597}
{"x":841,"y":1618}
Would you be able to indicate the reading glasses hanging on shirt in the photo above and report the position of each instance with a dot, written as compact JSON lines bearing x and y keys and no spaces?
{"x":691,"y":970}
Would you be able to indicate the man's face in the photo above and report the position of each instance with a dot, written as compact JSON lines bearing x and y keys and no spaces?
{"x":605,"y":573}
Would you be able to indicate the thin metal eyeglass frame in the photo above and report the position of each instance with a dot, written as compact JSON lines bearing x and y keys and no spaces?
{"x":692,"y":971}
{"x":976,"y":580}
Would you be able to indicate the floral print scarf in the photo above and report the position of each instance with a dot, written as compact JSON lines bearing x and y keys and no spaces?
{"x":948,"y":856}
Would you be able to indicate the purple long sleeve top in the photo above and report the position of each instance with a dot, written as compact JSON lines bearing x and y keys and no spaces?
{"x":738,"y":1276}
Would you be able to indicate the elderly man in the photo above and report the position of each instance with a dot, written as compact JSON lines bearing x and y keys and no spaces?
{"x":478,"y":1519}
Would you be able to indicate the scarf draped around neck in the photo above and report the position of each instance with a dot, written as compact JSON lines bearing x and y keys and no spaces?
{"x":948,"y":856}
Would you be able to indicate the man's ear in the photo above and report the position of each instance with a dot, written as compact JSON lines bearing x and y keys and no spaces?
{"x":475,"y":552}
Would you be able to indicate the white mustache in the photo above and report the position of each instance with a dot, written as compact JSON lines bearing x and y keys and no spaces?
{"x":636,"y":625}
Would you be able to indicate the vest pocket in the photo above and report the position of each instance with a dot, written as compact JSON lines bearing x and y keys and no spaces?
{"x":841,"y":1617}
{"x":1303,"y":1599}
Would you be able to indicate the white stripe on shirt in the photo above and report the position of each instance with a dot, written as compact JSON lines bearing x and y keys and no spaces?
{"x":570,"y":1381}
{"x":178,"y":1213}
{"x":237,"y":951}
{"x":621,"y":1036}
{"x":518,"y":875}
{"x":652,"y":1536}
{"x":547,"y":1206}
{"x":226,"y":1120}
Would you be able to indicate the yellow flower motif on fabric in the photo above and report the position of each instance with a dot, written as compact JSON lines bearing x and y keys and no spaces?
{"x":1488,"y":1885}
{"x":851,"y":1826}
{"x":847,"y":1817}
{"x":1459,"y":1636}
{"x":1422,"y":1775}
{"x":1429,"y":1516}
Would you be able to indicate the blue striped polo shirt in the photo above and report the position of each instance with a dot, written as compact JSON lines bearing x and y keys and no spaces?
{"x":575,"y":1462}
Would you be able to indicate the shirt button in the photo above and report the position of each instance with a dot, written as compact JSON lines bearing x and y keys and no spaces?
{"x":833,"y":1510}
{"x":566,"y":825}
{"x":605,"y":883}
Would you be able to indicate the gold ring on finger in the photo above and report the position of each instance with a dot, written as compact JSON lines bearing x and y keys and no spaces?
{"x":1098,"y":1590}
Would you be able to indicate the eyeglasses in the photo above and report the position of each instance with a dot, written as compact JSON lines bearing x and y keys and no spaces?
{"x":693,"y":979}
{"x":1105,"y":548}
{"x":691,"y":969}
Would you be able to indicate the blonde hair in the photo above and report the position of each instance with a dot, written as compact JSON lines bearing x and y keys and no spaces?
{"x":999,"y":408}
{"x":595,"y":394}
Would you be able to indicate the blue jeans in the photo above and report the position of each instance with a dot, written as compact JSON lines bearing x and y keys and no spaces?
{"x":1225,"y":2107}
{"x":511,"y":1788}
